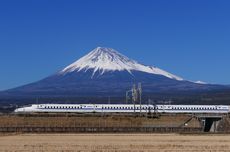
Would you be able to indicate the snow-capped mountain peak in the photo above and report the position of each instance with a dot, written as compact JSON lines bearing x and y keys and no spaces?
{"x":103,"y":59}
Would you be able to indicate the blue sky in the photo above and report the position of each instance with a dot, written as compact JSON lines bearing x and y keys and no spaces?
{"x":188,"y":38}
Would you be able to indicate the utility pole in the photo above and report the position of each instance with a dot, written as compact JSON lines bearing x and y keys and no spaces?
{"x":134,"y":96}
{"x":109,"y":100}
{"x":140,"y":94}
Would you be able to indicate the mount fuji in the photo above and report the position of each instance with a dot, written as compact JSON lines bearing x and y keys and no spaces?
{"x":102,"y":60}
{"x":106,"y":72}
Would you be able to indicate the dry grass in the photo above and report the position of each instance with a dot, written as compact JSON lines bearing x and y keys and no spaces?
{"x":111,"y":121}
{"x":115,"y":143}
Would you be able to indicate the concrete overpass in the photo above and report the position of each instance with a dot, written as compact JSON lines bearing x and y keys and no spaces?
{"x":209,"y":122}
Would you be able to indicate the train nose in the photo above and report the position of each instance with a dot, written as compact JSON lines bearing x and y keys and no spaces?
{"x":18,"y":110}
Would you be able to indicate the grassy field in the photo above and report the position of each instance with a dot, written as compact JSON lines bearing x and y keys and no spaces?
{"x":115,"y":142}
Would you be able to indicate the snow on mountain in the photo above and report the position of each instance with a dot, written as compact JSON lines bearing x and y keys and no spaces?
{"x":200,"y":82}
{"x":103,"y":59}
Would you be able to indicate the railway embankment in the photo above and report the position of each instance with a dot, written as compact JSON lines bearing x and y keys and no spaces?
{"x":74,"y":123}
{"x":95,"y":123}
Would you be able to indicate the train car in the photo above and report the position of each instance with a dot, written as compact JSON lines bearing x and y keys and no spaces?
{"x":121,"y":108}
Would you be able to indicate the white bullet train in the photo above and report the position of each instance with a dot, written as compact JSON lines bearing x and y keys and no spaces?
{"x":121,"y":108}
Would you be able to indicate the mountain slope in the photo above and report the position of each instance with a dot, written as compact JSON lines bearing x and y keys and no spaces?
{"x":105,"y":72}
